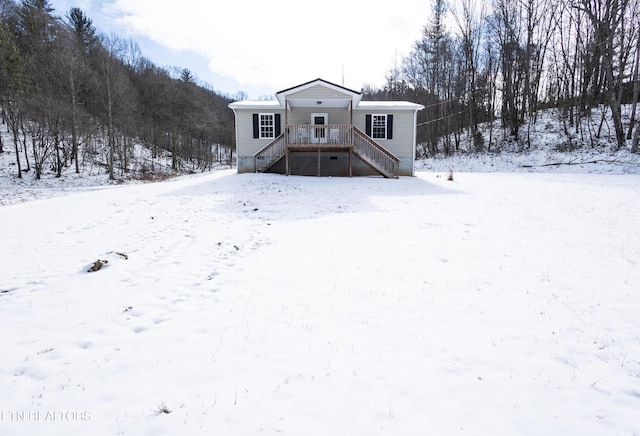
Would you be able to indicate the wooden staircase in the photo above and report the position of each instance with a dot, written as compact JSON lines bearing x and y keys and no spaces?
{"x":270,"y":154}
{"x":368,"y":150}
{"x":375,"y":155}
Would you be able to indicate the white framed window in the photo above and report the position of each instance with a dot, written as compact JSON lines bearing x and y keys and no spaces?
{"x":379,"y":126}
{"x":267,"y":126}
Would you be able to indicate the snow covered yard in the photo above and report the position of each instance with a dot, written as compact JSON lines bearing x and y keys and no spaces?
{"x":496,"y":304}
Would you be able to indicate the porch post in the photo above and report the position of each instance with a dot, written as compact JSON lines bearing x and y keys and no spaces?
{"x":286,"y":122}
{"x":350,"y":157}
{"x":318,"y":161}
{"x":287,"y":169}
{"x":351,"y":123}
{"x":286,"y":159}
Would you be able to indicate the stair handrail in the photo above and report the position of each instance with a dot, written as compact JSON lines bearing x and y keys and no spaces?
{"x":269,"y":154}
{"x":378,"y":156}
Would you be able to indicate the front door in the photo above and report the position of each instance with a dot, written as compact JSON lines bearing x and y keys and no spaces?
{"x":319,"y":129}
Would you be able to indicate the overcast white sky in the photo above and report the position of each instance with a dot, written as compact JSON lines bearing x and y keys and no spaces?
{"x":261,"y":47}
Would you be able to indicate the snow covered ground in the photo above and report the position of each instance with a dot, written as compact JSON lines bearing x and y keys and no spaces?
{"x":496,"y":304}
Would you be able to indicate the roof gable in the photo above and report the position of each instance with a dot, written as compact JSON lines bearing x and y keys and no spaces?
{"x":318,"y":90}
{"x":318,"y":82}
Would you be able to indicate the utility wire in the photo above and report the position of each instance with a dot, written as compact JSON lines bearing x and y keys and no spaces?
{"x":440,"y":119}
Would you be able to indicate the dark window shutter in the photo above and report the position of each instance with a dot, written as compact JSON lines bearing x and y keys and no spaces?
{"x":389,"y":126}
{"x":367,"y":125}
{"x":256,"y":126}
{"x":278,"y":128}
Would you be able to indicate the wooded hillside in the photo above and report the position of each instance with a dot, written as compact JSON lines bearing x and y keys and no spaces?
{"x":70,"y":95}
{"x":499,"y":61}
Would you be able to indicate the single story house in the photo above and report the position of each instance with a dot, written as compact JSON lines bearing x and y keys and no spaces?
{"x":323,"y":129}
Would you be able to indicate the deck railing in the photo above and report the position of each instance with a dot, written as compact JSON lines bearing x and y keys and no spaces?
{"x":318,"y":134}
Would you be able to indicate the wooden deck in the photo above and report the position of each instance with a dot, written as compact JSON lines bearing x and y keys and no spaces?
{"x":329,"y":137}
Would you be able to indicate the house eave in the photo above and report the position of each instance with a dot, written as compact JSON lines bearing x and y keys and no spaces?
{"x":389,"y":105}
{"x":255,"y":105}
{"x":344,"y":98}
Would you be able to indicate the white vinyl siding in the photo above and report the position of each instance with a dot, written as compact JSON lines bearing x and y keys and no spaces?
{"x":319,"y":93}
{"x":246,"y":144}
{"x":402,"y":144}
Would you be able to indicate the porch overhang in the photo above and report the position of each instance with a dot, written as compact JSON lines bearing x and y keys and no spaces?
{"x":319,"y":103}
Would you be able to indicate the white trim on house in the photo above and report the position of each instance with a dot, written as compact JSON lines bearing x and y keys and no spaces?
{"x":388,"y":105}
{"x":319,"y":135}
{"x":256,"y":105}
{"x":378,"y":129}
{"x":264,"y":126}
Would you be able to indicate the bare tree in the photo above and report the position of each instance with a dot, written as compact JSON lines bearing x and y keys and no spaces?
{"x":470,"y":24}
{"x":606,"y":17}
{"x":427,"y":69}
{"x":12,"y":84}
{"x":80,"y":43}
{"x":113,"y":95}
{"x":636,"y":91}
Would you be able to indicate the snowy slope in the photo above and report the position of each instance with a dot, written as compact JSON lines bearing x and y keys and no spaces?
{"x":496,"y":304}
